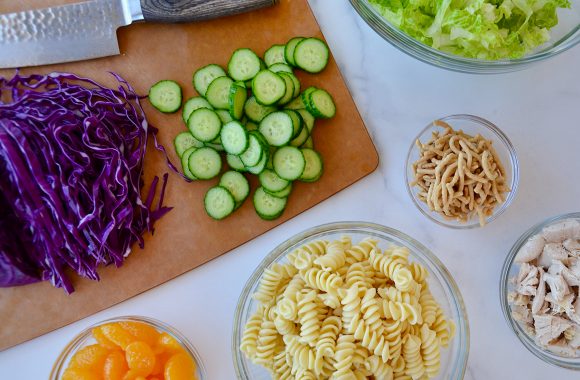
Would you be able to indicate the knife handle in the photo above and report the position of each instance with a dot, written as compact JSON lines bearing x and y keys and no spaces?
{"x":171,"y":11}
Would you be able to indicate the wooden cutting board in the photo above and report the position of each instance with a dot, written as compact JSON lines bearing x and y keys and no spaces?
{"x":186,"y":237}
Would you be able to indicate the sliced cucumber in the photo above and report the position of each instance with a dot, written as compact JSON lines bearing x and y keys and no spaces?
{"x":192,"y":104}
{"x":277,"y":128}
{"x":243,"y":65}
{"x":267,"y":206}
{"x":307,"y":118}
{"x":251,"y":126}
{"x":289,"y":93}
{"x":218,"y":147}
{"x":204,"y":76}
{"x":218,"y":93}
{"x":184,"y":141}
{"x":301,"y":139}
{"x":234,"y":138}
{"x":295,"y":104}
{"x":313,"y":169}
{"x":274,"y":55}
{"x":205,"y":163}
{"x":289,"y":50}
{"x":305,"y":96}
{"x":281,"y":67}
{"x":260,"y":166}
{"x":224,"y":116}
{"x":185,"y":163}
{"x":236,"y":184}
{"x":268,"y":87}
{"x":235,"y":162}
{"x":296,"y":122}
{"x":284,"y":193}
{"x":204,"y":124}
{"x":253,"y":154}
{"x":322,"y":104}
{"x":255,"y":111}
{"x":311,"y":55}
{"x":309,"y":143}
{"x":271,"y":182}
{"x":296,"y":85}
{"x":219,"y":202}
{"x":289,"y":163}
{"x":165,"y":95}
{"x":237,"y":100}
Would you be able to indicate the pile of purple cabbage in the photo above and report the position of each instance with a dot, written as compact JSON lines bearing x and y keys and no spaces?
{"x":71,"y":158}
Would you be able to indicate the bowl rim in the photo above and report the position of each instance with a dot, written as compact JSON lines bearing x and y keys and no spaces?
{"x":79,"y":339}
{"x":524,"y":338}
{"x":457,"y":63}
{"x":514,"y":164}
{"x":462,"y":325}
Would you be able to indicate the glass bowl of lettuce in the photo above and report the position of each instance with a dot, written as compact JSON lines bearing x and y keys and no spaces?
{"x":476,"y":36}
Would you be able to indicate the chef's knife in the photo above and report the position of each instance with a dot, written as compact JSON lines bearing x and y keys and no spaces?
{"x":88,"y":29}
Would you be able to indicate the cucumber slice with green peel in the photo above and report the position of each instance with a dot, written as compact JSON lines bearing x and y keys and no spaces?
{"x":165,"y":95}
{"x":267,"y":206}
{"x":261,"y":139}
{"x":192,"y":104}
{"x":295,"y":104}
{"x":313,"y":169}
{"x":289,"y":163}
{"x":296,"y":122}
{"x":309,"y":143}
{"x":185,"y":163}
{"x":268,"y":87}
{"x":322,"y":104}
{"x":204,"y":124}
{"x":251,"y":126}
{"x":236,"y":184}
{"x":271,"y":182}
{"x":296,"y":85}
{"x":260,"y":166}
{"x":205,"y":163}
{"x":234,"y":138}
{"x":289,"y":94}
{"x":277,"y":128}
{"x":255,"y":111}
{"x":219,"y":202}
{"x":253,"y":154}
{"x":285,"y":193}
{"x":218,"y":147}
{"x":235,"y":162}
{"x":237,"y":100}
{"x":305,"y":96}
{"x":307,"y":118}
{"x":275,"y":54}
{"x":311,"y":55}
{"x":301,"y":139}
{"x":218,"y":93}
{"x":184,"y":141}
{"x":224,"y":116}
{"x":204,"y":76}
{"x":243,"y":65}
{"x":289,"y":49}
{"x":281,"y":67}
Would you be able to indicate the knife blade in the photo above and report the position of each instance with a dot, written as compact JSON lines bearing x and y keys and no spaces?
{"x":88,"y":29}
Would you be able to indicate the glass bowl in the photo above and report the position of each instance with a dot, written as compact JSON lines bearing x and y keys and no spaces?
{"x":85,"y":338}
{"x":563,"y":37}
{"x":509,"y":270}
{"x":441,"y":284}
{"x":471,"y":125}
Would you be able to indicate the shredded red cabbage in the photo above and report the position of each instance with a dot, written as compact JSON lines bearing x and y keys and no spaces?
{"x":71,"y":157}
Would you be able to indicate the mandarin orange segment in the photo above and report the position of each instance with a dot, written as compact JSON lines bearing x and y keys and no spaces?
{"x":79,"y":374}
{"x":90,"y":357}
{"x":102,"y":339}
{"x":141,"y":331}
{"x":160,"y":360}
{"x":118,"y":335}
{"x":153,"y":378}
{"x":169,"y":343}
{"x":115,"y":366}
{"x":140,"y":358}
{"x":180,"y":367}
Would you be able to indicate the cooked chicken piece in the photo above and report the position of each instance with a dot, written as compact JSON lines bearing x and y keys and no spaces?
{"x":521,"y":300}
{"x":527,"y":280}
{"x":574,"y":313}
{"x":561,"y":347}
{"x":549,"y":327}
{"x":558,"y":286}
{"x":551,"y":252}
{"x":572,"y":335}
{"x":560,"y":306}
{"x":572,"y":272}
{"x":540,"y":294}
{"x":556,"y":268}
{"x":572,"y":244}
{"x":566,"y":229}
{"x":531,"y":250}
{"x":522,"y":314}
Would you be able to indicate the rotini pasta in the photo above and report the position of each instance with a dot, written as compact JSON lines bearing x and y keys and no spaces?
{"x":344,"y":311}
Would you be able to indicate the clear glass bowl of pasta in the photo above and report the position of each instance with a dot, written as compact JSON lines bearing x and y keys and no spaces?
{"x":471,"y":125}
{"x":453,"y":358}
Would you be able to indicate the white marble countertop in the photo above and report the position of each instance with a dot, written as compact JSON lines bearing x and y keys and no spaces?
{"x":539,"y":109}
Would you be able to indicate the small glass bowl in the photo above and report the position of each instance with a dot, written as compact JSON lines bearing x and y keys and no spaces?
{"x":509,"y":270}
{"x":563,"y":36}
{"x":85,"y":338}
{"x":471,"y":125}
{"x":441,"y":284}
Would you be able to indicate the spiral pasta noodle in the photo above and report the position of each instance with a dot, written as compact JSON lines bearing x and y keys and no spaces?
{"x":340,"y":310}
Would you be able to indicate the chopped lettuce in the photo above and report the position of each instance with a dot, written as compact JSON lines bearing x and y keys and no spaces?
{"x":483,"y":29}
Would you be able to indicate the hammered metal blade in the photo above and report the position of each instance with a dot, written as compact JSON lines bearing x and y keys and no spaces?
{"x":61,"y":34}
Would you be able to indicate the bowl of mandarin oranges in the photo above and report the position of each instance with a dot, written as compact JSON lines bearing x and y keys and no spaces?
{"x":129,"y":348}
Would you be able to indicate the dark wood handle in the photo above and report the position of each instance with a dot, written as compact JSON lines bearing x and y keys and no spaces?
{"x":197,"y":10}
